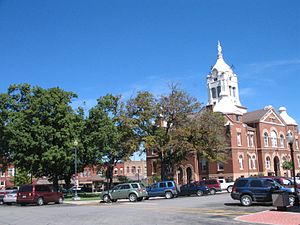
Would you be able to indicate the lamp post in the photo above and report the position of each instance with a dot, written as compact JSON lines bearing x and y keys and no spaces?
{"x":76,"y":197}
{"x":290,"y":141}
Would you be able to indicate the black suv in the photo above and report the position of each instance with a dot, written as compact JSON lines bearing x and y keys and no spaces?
{"x":248,"y":190}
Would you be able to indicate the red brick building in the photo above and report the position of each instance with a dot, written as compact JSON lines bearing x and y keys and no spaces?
{"x":257,"y":140}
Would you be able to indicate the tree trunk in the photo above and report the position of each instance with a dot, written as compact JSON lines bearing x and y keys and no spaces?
{"x":55,"y":182}
{"x":67,"y":179}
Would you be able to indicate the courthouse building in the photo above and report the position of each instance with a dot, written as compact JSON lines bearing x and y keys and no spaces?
{"x":257,"y":139}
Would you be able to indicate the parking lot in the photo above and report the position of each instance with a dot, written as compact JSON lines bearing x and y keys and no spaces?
{"x":211,"y":209}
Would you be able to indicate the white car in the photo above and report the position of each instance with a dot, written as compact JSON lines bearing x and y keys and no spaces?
{"x":10,"y":196}
{"x":226,"y":185}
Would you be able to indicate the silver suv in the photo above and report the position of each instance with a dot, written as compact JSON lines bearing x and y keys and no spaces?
{"x":132,"y":191}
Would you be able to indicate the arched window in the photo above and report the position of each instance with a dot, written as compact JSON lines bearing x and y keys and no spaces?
{"x":241,"y":162}
{"x":219,"y":90}
{"x":266,"y":139}
{"x":298,"y":159}
{"x":274,"y":138}
{"x":268,"y":162}
{"x":213,"y":92}
{"x":127,"y":169}
{"x":253,"y":162}
{"x":281,"y":141}
{"x":249,"y":162}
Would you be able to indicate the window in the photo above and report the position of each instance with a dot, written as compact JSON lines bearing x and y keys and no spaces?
{"x":2,"y":173}
{"x":203,"y":165}
{"x":219,"y":90}
{"x":11,"y":172}
{"x":238,"y":118}
{"x":274,"y":138}
{"x":133,"y":169}
{"x":241,"y":162}
{"x":2,"y":183}
{"x":125,"y":186}
{"x":233,"y":91}
{"x":213,"y":92}
{"x":239,"y":140}
{"x":253,"y":158}
{"x":266,"y":139}
{"x":297,"y":144}
{"x":127,"y":169}
{"x":281,"y":141}
{"x":170,"y":184}
{"x":154,"y":167}
{"x":241,"y":183}
{"x":121,"y":171}
{"x":134,"y":186}
{"x":162,"y":185}
{"x":230,"y":90}
{"x":220,"y":167}
{"x":139,"y":170}
{"x":255,"y":183}
{"x":268,"y":162}
{"x":115,"y":171}
{"x":298,"y":159}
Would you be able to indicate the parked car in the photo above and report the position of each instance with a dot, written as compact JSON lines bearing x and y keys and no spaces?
{"x":213,"y":185}
{"x":132,"y":191}
{"x":167,"y":189}
{"x":284,"y":181}
{"x":2,"y":193}
{"x":193,"y":189}
{"x":225,"y":185}
{"x":248,"y":190}
{"x":39,"y":194}
{"x":10,"y":196}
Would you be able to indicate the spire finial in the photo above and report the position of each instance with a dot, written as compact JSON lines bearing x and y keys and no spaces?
{"x":220,"y":55}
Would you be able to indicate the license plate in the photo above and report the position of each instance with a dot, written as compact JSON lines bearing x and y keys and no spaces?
{"x":24,"y":196}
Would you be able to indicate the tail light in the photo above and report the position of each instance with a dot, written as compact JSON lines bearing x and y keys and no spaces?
{"x":234,"y":189}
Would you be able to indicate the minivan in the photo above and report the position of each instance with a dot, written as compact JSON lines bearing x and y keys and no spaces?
{"x":39,"y":194}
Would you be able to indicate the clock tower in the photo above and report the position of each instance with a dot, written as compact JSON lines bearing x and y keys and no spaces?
{"x":222,"y":85}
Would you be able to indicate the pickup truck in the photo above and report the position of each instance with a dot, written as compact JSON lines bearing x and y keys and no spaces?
{"x":226,"y":185}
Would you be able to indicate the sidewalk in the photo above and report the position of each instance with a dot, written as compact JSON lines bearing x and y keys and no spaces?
{"x":289,"y":217}
{"x":82,"y":202}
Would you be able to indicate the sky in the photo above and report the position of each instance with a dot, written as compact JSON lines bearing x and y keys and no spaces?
{"x":96,"y":47}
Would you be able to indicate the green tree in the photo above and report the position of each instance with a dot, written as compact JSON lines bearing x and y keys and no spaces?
{"x":175,"y":125}
{"x":109,"y":134}
{"x":21,"y":177}
{"x":40,"y":130}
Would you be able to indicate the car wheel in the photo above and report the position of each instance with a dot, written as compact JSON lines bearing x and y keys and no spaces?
{"x":146,"y":198}
{"x":292,"y":200}
{"x":40,"y":201}
{"x":246,"y":200}
{"x":229,"y":189}
{"x":212,"y":191}
{"x":106,"y":198}
{"x":60,"y":200}
{"x":168,"y":195}
{"x":132,"y":197}
{"x":200,"y":193}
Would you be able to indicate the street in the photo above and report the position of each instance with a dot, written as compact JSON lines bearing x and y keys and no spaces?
{"x":217,"y":209}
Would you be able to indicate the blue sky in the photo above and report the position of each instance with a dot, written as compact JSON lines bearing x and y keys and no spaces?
{"x":97,"y":47}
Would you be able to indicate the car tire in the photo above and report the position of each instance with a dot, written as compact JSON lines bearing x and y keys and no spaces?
{"x":168,"y":195}
{"x":212,"y":191}
{"x":229,"y":189}
{"x":200,"y":193}
{"x":60,"y":201}
{"x":292,"y":200}
{"x":246,"y":200}
{"x":132,"y":197}
{"x":106,"y":198}
{"x":146,"y":198}
{"x":40,"y":201}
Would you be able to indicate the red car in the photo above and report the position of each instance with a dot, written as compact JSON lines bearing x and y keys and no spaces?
{"x":213,"y":185}
{"x":39,"y":194}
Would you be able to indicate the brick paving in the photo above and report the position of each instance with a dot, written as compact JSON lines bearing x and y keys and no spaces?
{"x":272,"y":217}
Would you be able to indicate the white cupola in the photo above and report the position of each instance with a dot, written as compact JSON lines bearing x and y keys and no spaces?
{"x":222,"y":85}
{"x":287,"y":119}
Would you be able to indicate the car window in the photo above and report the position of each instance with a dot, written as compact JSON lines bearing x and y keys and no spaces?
{"x":256,"y":183}
{"x":241,"y":183}
{"x":26,"y":188}
{"x":162,"y":185}
{"x":125,"y":186}
{"x":142,"y":185}
{"x":116,"y":187}
{"x":170,"y":184}
{"x":134,"y":186}
{"x":154,"y":186}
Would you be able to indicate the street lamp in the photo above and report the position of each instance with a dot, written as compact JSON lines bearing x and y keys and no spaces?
{"x":290,"y":141}
{"x":76,"y":197}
